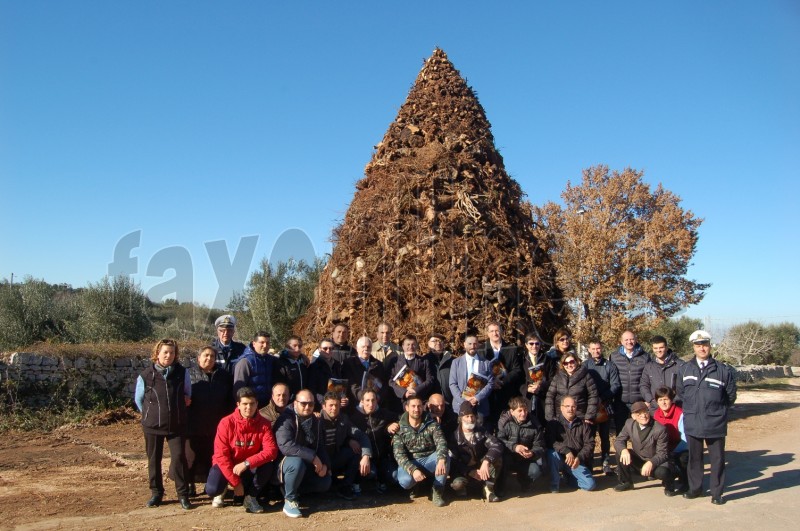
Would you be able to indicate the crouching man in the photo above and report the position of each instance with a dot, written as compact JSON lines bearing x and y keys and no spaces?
{"x":347,"y":446}
{"x":477,"y":456}
{"x":571,"y":443}
{"x":523,"y":438}
{"x":305,"y":466}
{"x":244,"y":452}
{"x":649,"y":454}
{"x":420,"y":450}
{"x":379,"y":425}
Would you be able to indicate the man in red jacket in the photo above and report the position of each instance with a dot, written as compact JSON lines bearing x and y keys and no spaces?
{"x":244,"y":452}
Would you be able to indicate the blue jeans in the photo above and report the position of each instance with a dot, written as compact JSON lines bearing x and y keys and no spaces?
{"x":428,"y":466}
{"x":580,"y":476}
{"x":298,"y":477}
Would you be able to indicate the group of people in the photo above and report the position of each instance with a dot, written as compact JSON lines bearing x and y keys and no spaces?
{"x":255,"y":425}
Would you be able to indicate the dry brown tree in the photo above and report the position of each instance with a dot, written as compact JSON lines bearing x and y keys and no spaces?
{"x":438,"y":236}
{"x":621,"y":251}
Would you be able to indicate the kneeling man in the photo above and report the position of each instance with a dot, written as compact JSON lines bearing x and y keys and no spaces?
{"x":244,"y":451}
{"x":648,"y":454}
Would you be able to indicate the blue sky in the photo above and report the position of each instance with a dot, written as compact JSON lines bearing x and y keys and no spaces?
{"x":195,"y":122}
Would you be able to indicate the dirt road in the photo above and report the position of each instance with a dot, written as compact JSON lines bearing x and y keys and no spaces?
{"x":95,"y":478}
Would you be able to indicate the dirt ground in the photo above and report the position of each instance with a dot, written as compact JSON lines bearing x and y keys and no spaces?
{"x":95,"y":478}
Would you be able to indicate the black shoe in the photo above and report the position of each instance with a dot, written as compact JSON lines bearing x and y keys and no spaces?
{"x":669,"y":493}
{"x":192,"y":490}
{"x":154,"y":501}
{"x":621,"y":487}
{"x":717,"y":500}
{"x":184,"y":501}
{"x":692,"y":494}
{"x":346,"y":492}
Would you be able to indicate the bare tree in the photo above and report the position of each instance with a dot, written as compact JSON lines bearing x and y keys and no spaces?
{"x":747,"y":343}
{"x":621,"y":252}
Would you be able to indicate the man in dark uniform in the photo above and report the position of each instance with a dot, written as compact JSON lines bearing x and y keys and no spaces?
{"x":228,"y":350}
{"x":708,"y":388}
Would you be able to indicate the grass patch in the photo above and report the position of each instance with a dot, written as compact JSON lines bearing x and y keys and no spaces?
{"x":41,"y":406}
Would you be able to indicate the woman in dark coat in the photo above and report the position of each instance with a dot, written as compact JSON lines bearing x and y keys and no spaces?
{"x":573,"y":379}
{"x":212,"y":399}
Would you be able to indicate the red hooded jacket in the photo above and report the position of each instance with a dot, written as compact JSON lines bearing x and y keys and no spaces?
{"x":238,"y":439}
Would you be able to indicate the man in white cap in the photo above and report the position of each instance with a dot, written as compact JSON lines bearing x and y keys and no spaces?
{"x":708,"y":388}
{"x":228,"y":350}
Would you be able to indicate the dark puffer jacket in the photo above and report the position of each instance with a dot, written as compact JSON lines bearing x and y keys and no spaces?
{"x":580,"y":386}
{"x":529,"y":434}
{"x":163,"y":403}
{"x":606,"y":378}
{"x":293,"y":373}
{"x":255,"y":371}
{"x":657,"y":375}
{"x":630,"y":372}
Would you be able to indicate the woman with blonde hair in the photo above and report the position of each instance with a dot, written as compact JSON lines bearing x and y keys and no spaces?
{"x":163,"y":392}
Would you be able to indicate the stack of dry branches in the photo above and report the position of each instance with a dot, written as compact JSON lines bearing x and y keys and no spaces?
{"x":438,"y":236}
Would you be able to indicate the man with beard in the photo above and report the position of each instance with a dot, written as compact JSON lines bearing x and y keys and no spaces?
{"x":379,"y":425}
{"x":461,"y":376}
{"x":420,"y":450}
{"x":477,"y":457}
{"x":293,"y":365}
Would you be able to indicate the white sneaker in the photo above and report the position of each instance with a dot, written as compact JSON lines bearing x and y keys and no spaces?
{"x":218,"y":502}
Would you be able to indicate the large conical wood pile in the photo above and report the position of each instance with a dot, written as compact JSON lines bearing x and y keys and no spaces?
{"x":438,"y":237}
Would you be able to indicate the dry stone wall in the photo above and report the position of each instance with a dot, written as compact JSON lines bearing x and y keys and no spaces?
{"x":42,"y":373}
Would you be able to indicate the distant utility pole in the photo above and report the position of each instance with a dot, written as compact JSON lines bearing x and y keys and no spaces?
{"x":12,"y":278}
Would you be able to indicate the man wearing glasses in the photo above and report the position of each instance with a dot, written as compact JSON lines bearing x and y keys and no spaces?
{"x":570,"y":447}
{"x":538,"y":367}
{"x":323,"y":369}
{"x":648,"y":454}
{"x":708,"y":388}
{"x":305,"y":466}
